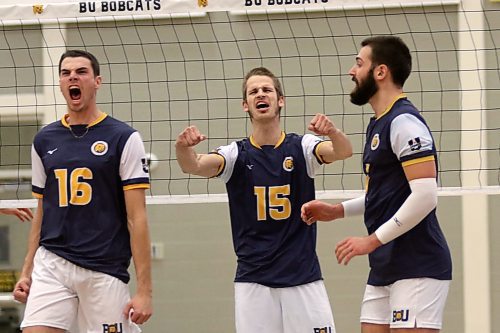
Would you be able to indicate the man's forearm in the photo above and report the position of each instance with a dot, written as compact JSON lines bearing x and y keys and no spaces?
{"x":187,"y":159}
{"x":341,"y":145}
{"x":141,"y":254}
{"x":33,"y":241}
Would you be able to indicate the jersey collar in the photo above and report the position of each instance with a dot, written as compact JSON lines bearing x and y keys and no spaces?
{"x":280,"y":141}
{"x":103,"y":115}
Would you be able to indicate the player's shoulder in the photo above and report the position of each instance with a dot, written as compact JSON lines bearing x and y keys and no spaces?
{"x":114,"y":124}
{"x":115,"y":129}
{"x":408,"y":119}
{"x":295,"y":138}
{"x":49,"y":130}
{"x":51,"y":126}
{"x":404,"y":106}
{"x":306,"y":139}
{"x":299,"y":137}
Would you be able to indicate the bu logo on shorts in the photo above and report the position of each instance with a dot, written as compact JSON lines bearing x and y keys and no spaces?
{"x":112,"y":328}
{"x":326,"y":329}
{"x":401,"y":315}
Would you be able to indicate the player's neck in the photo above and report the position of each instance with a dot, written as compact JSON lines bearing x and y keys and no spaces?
{"x":383,"y":99}
{"x":85,"y":117}
{"x":268,"y":134}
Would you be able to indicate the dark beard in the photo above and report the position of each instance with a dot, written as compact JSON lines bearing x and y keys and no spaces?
{"x":364,"y":90}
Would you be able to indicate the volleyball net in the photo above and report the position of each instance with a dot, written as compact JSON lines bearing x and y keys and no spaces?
{"x":170,"y":64}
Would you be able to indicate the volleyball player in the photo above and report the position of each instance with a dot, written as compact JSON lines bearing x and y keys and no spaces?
{"x":23,"y":214}
{"x":268,"y":176}
{"x":90,"y":176}
{"x":410,"y":263}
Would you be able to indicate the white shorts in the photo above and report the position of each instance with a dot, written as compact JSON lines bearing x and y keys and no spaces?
{"x":62,"y":292}
{"x":406,"y":303}
{"x":304,"y":308}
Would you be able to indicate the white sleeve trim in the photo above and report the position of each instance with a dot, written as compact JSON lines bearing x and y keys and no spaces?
{"x":230,"y":154}
{"x":309,"y":143}
{"x":354,"y":206}
{"x":421,"y":201}
{"x":38,"y":171}
{"x":133,"y":159}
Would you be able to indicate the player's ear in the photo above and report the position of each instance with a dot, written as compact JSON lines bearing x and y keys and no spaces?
{"x":381,"y":71}
{"x":281,"y":101}
{"x":98,"y":81}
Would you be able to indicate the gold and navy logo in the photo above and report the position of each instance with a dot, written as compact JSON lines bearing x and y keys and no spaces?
{"x":401,"y":315}
{"x":112,"y":328}
{"x":288,"y":163}
{"x":326,"y":329}
{"x":375,"y":142}
{"x":37,"y":9}
{"x":99,"y":148}
{"x":202,"y":3}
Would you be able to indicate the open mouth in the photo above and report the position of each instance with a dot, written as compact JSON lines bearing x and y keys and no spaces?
{"x":75,"y":93}
{"x":262,"y":105}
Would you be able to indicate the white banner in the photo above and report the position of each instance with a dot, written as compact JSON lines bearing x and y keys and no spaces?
{"x":63,"y":10}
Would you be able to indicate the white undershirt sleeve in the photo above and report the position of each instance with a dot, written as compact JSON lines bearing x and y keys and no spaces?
{"x":354,"y":206}
{"x":421,"y":201}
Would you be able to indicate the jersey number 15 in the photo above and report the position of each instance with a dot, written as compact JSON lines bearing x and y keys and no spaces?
{"x":278,"y":204}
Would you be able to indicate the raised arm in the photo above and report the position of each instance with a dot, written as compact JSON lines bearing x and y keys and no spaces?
{"x":339,"y":147}
{"x":206,"y":165}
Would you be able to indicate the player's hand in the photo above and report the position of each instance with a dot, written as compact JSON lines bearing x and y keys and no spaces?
{"x":22,"y":290}
{"x":355,"y":246}
{"x":317,"y":210}
{"x":190,"y":137}
{"x":322,"y":125}
{"x":139,"y":309}
{"x":23,"y":214}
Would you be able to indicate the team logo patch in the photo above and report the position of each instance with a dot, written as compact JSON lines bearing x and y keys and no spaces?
{"x":415,"y":144}
{"x":37,"y":9}
{"x":326,"y":329}
{"x":99,"y":148}
{"x":375,"y":142}
{"x":288,"y":163}
{"x":401,"y":315}
{"x":112,"y":328}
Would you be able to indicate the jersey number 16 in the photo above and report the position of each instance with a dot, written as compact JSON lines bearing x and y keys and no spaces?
{"x":80,"y":192}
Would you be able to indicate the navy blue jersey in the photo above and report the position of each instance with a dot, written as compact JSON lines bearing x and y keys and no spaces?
{"x":81,"y":176}
{"x":398,"y":138}
{"x":266,"y":187}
